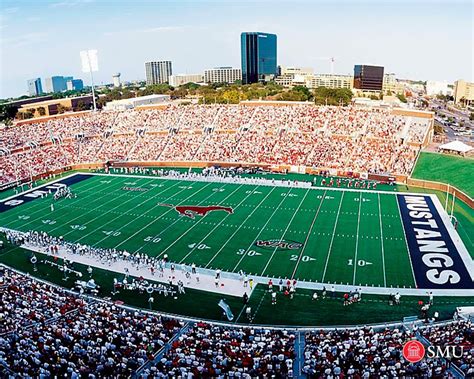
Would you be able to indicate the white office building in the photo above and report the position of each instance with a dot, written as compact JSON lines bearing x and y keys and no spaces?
{"x":222,"y":75}
{"x":180,"y":79}
{"x":329,"y":81}
{"x":434,"y":88}
{"x":121,"y":105}
{"x":158,"y":72}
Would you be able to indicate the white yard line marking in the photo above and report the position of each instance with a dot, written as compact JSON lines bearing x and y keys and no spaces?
{"x":332,"y":238}
{"x":39,"y":187}
{"x":357,"y":240}
{"x":101,"y":215}
{"x":381,"y":243}
{"x":144,"y":213}
{"x":308,"y":235}
{"x":164,"y":214}
{"x":41,"y":207}
{"x":197,"y":223}
{"x":283,"y":198}
{"x":215,"y":227}
{"x":406,"y":241}
{"x":240,"y":226}
{"x":284,"y":233}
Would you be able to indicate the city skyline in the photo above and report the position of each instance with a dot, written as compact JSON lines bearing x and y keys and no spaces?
{"x":409,"y":39}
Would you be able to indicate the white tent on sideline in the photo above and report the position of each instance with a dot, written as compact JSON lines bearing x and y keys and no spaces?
{"x":457,"y":146}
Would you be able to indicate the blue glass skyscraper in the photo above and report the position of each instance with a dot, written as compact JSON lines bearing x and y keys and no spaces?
{"x":259,"y":56}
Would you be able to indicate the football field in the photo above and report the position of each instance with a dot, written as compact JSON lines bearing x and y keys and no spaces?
{"x":355,"y":237}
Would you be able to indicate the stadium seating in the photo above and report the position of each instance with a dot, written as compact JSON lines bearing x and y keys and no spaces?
{"x":50,"y":332}
{"x":346,"y":138}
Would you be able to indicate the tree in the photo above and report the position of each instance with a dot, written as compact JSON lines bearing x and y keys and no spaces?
{"x":332,"y":96}
{"x":471,"y":116}
{"x":42,"y":111}
{"x":7,"y":113}
{"x":81,"y":106}
{"x":402,"y":98}
{"x":62,"y":109}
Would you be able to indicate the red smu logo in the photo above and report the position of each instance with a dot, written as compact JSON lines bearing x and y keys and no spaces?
{"x":192,"y":210}
{"x":413,"y":351}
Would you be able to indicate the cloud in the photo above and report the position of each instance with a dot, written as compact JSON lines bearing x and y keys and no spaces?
{"x":25,"y":39}
{"x":147,"y":30}
{"x":11,"y":10}
{"x":69,"y":3}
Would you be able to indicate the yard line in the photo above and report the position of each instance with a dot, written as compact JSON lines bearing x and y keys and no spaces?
{"x":308,"y":235}
{"x":178,"y":219}
{"x":357,"y":240}
{"x":202,"y":218}
{"x":215,"y":227}
{"x":102,"y":215}
{"x":262,"y":229}
{"x":284,"y":233}
{"x":240,"y":226}
{"x":332,"y":238}
{"x":143,"y":214}
{"x":406,"y":242}
{"x":42,"y":208}
{"x":381,"y":241}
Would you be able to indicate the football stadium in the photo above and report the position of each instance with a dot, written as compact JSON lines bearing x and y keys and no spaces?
{"x":182,"y":197}
{"x":290,"y":229}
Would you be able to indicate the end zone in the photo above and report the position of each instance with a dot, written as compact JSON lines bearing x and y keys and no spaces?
{"x":439,"y":257}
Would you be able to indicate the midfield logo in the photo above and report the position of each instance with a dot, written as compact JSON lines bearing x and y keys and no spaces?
{"x":192,"y":210}
{"x":279,"y":244}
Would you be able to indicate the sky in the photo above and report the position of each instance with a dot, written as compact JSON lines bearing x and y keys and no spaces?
{"x":417,"y":39}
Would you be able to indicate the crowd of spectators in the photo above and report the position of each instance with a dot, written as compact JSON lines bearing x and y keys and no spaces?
{"x":459,"y":334}
{"x":347,"y":138}
{"x":211,"y":351}
{"x":364,"y":353}
{"x":46,"y":331}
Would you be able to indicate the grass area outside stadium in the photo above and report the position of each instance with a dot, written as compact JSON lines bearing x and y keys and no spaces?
{"x":455,"y":170}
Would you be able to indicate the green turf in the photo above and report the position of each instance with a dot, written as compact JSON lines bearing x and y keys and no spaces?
{"x":300,"y":311}
{"x":341,"y":230}
{"x":454,"y":170}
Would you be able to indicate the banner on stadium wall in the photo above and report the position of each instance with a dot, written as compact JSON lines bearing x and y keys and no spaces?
{"x":298,"y":169}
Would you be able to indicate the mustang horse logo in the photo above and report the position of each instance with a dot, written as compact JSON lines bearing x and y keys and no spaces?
{"x":192,"y":210}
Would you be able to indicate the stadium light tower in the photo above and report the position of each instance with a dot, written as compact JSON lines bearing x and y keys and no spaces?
{"x":90,"y":65}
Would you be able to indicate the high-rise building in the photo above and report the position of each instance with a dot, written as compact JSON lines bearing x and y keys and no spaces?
{"x":463,"y":92}
{"x":368,"y":78}
{"x":259,"y":56}
{"x":158,"y":72}
{"x":116,"y":79}
{"x":75,"y":85}
{"x":34,"y":87}
{"x":180,"y":79}
{"x":55,"y":84}
{"x":222,"y":75}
